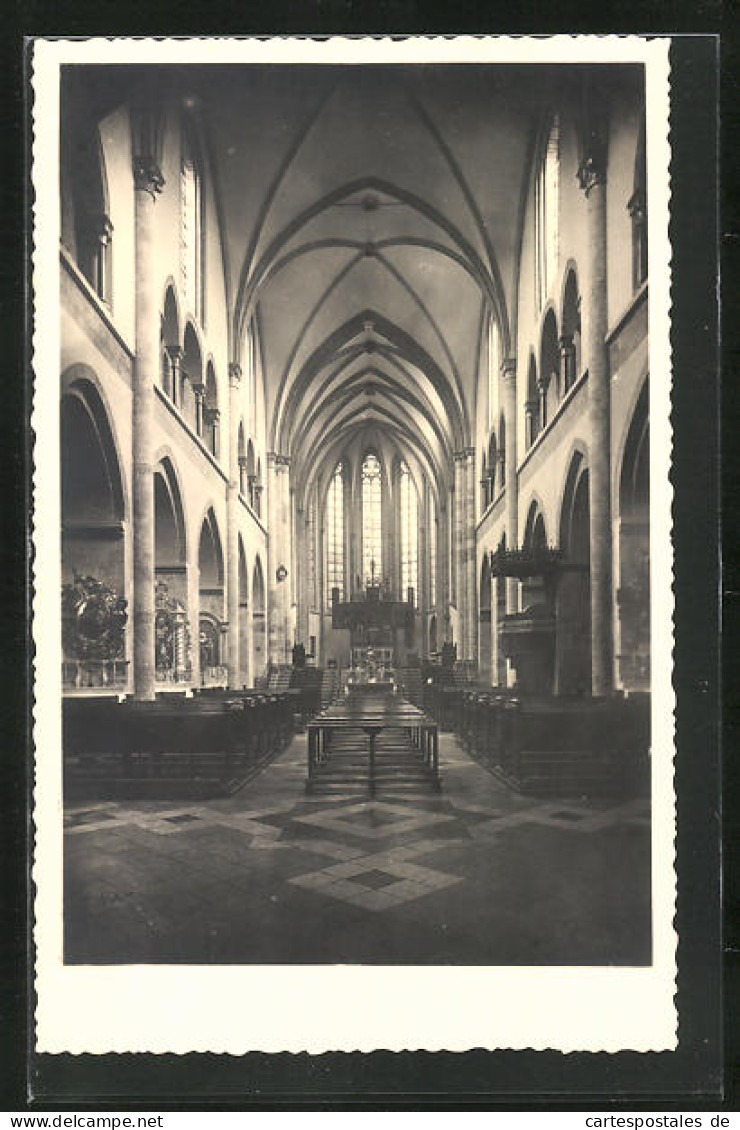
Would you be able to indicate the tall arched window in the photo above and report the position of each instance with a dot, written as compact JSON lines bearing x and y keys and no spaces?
{"x":547,"y":203}
{"x":637,"y":207}
{"x":433,"y":557}
{"x":494,"y":365}
{"x":409,"y":517}
{"x":191,"y":229}
{"x":372,"y":544}
{"x":311,"y":541}
{"x":335,"y":533}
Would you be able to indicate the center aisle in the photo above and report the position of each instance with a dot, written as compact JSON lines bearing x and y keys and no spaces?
{"x":472,"y":875}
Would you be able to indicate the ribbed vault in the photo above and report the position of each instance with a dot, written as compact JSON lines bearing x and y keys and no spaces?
{"x":371,"y":221}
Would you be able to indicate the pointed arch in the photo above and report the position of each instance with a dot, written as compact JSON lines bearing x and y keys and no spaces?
{"x":549,"y":381}
{"x":571,"y":328}
{"x":633,"y":593}
{"x":485,"y":649}
{"x":210,"y":553}
{"x":573,"y":599}
{"x":259,"y":634}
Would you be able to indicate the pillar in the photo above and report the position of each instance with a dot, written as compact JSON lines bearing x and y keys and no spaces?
{"x":233,"y":664}
{"x":471,"y":571}
{"x":458,"y":574}
{"x":279,"y":518}
{"x":567,"y":361}
{"x":592,"y":176}
{"x":422,"y":550}
{"x":174,"y":352}
{"x":102,"y":265}
{"x":193,"y":607}
{"x":211,"y":418}
{"x":542,"y":395}
{"x":511,"y":500}
{"x":148,"y":181}
{"x":199,"y":390}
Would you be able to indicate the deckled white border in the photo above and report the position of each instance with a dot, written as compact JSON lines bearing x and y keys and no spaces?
{"x":235,"y":1009}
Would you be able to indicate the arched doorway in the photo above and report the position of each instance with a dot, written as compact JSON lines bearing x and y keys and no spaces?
{"x":259,"y":652}
{"x":211,"y":603}
{"x":573,"y":599}
{"x":92,"y":511}
{"x":244,"y":622}
{"x":633,"y":595}
{"x":173,"y":643}
{"x":484,"y":623}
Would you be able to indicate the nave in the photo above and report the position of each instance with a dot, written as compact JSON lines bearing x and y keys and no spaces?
{"x":472,"y":874}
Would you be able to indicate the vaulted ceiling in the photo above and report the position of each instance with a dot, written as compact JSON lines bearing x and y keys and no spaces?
{"x":372,"y":217}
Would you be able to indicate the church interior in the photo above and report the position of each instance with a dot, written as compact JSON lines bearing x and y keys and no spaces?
{"x":354,"y":483}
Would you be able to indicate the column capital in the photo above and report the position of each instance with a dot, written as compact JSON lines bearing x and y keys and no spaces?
{"x":278,"y":460}
{"x":637,"y":206}
{"x":174,"y":352}
{"x":199,"y":389}
{"x":101,"y":227}
{"x":591,"y":172}
{"x":508,"y":369}
{"x":147,"y":136}
{"x":460,"y":456}
{"x":235,"y":374}
{"x":210,"y":415}
{"x":147,"y":177}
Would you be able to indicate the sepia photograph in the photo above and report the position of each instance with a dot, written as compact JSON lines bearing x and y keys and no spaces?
{"x":354,"y":597}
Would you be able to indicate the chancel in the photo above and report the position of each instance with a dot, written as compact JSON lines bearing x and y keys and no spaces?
{"x":355,"y":514}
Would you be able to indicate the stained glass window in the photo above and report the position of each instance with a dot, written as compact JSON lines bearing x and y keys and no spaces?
{"x":409,"y":532}
{"x":494,"y":364}
{"x":433,"y":558}
{"x":335,"y":534}
{"x":190,"y":232}
{"x":372,"y":544}
{"x":547,"y":204}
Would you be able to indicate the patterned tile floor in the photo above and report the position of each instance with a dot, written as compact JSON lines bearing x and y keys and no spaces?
{"x":473,"y":875}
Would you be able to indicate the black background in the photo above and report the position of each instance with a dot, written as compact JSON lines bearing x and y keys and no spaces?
{"x":698,"y":1075}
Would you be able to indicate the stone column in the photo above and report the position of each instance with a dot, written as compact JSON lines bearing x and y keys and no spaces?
{"x":102,"y":283}
{"x":193,"y":606}
{"x":470,"y":557}
{"x":530,"y":416}
{"x":511,"y":500}
{"x":567,"y":361}
{"x":148,"y":181}
{"x":279,"y":496}
{"x":232,"y":529}
{"x":211,"y":418}
{"x":457,"y":518}
{"x":542,"y":394}
{"x":174,"y":352}
{"x":199,"y":391}
{"x":422,"y":595}
{"x":592,"y":176}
